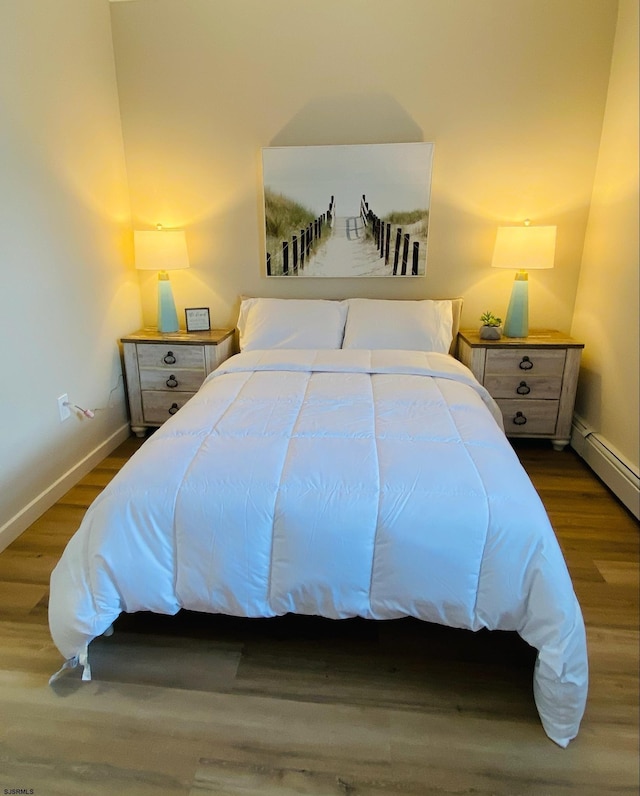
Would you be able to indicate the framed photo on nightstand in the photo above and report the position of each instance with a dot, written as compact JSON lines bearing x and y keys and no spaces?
{"x":197,"y":319}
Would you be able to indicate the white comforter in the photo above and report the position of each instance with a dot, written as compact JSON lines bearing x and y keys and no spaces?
{"x":338,"y":483}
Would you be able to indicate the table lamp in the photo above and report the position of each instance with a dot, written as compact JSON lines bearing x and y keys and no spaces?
{"x":525,"y":248}
{"x":162,"y":250}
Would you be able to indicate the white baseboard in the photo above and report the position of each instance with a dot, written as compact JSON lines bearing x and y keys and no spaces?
{"x":610,"y":465}
{"x":10,"y":531}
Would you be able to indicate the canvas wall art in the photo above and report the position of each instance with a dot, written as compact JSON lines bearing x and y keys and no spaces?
{"x":347,"y":211}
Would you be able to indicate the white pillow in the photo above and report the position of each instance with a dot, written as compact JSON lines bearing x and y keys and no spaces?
{"x":291,"y":323}
{"x":407,"y":325}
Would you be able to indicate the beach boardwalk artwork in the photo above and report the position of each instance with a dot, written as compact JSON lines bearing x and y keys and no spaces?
{"x":345,"y":211}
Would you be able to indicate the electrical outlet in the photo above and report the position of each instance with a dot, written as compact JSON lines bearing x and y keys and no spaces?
{"x":63,"y":408}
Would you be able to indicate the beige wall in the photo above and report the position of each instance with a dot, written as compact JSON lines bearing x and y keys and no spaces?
{"x":606,"y":315}
{"x":67,"y":290}
{"x":511,"y":92}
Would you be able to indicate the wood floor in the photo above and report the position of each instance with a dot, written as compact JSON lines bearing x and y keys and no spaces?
{"x":208,"y":705}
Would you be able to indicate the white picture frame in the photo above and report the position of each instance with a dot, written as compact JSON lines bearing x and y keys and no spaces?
{"x":347,"y":211}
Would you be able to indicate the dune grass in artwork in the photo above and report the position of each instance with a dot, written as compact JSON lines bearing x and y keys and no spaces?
{"x":283,"y":218}
{"x":413,"y":222}
{"x":417,"y":220}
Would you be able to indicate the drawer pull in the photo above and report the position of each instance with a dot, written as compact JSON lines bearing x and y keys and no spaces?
{"x":169,"y":358}
{"x":519,"y":419}
{"x":523,"y":388}
{"x":173,"y":382}
{"x":525,"y":364}
{"x":173,"y":409}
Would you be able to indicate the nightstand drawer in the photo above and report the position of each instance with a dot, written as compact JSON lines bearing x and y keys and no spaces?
{"x":529,"y":417}
{"x":525,"y":361}
{"x":523,"y":386}
{"x":157,"y":407}
{"x":166,"y":355}
{"x":172,"y":379}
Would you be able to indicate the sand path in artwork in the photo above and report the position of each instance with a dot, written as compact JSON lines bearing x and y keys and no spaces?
{"x":347,"y":252}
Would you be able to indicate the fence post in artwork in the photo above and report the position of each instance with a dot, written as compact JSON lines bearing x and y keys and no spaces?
{"x":302,"y":248}
{"x":307,"y":236}
{"x":364,"y":211}
{"x":268,"y":264}
{"x":396,"y":253}
{"x":285,"y":257}
{"x":386,"y":245}
{"x":405,"y":255}
{"x":416,"y":254}
{"x":294,"y":241}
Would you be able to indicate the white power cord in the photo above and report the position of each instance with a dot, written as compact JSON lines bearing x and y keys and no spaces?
{"x":91,"y":413}
{"x":86,"y":412}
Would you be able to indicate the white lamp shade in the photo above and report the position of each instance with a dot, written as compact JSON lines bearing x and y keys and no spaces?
{"x":161,"y":250}
{"x":525,"y":248}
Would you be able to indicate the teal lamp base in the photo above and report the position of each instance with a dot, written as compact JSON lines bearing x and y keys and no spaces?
{"x":517,"y":321}
{"x":167,"y":315}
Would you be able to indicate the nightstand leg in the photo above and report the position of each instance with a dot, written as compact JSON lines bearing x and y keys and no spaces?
{"x":139,"y":431}
{"x":559,"y":444}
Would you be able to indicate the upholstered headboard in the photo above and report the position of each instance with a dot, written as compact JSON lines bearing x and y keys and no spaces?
{"x":456,"y":311}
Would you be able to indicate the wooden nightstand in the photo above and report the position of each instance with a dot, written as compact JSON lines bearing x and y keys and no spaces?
{"x":533,"y":380}
{"x":164,"y":370}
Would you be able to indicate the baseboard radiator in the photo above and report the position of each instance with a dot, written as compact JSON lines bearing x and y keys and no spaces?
{"x":617,"y":472}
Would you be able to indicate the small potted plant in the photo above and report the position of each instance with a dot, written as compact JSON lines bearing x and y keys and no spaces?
{"x":491,"y":328}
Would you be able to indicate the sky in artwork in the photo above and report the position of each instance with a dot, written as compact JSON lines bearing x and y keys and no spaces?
{"x":391,"y":176}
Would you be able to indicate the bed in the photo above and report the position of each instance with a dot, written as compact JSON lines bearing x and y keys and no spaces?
{"x":342,"y":464}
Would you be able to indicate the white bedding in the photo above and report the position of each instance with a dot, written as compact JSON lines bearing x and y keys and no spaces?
{"x":338,"y":483}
